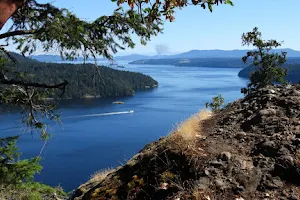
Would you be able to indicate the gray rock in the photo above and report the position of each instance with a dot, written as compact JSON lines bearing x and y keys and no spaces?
{"x":250,"y":179}
{"x":210,"y":171}
{"x":225,"y":156}
{"x":277,"y":182}
{"x":220,"y":183}
{"x":268,"y":111}
{"x":293,"y":197}
{"x":203,"y":183}
{"x":271,"y":91}
{"x":270,"y":182}
{"x":270,"y":96}
{"x":216,"y":163}
{"x":266,"y":164}
{"x":250,"y":112}
{"x":221,"y":130}
{"x":206,"y":172}
{"x":269,"y":145}
{"x":286,"y":160}
{"x":245,"y":104}
{"x":240,"y":135}
{"x":285,"y":193}
{"x":283,"y":151}
{"x":296,"y":92}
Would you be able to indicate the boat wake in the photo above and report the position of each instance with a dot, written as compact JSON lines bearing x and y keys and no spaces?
{"x":102,"y":114}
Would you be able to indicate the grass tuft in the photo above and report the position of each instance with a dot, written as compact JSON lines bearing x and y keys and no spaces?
{"x":184,"y":137}
{"x":191,"y":127}
{"x":100,"y":175}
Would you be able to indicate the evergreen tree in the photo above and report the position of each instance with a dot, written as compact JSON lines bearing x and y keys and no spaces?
{"x":268,"y":65}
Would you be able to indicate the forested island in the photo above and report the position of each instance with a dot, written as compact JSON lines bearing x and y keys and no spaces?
{"x":84,"y":80}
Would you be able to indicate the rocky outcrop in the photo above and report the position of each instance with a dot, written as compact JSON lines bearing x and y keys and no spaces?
{"x":262,"y":132}
{"x":249,"y":150}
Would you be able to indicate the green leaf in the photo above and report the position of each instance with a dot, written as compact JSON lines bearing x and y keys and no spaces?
{"x":229,"y":2}
{"x":210,"y":7}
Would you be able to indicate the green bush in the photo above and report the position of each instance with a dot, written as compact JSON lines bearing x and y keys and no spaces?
{"x":216,"y":104}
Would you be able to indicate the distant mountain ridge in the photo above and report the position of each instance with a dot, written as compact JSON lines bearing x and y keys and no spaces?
{"x":227,"y":53}
{"x":190,"y":54}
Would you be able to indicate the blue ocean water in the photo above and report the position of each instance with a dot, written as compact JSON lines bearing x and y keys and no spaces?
{"x":87,"y":141}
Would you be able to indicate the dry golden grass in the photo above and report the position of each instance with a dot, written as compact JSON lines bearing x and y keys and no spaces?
{"x":95,"y":178}
{"x":202,"y":195}
{"x":100,"y":175}
{"x":190,"y":128}
{"x":184,"y":138}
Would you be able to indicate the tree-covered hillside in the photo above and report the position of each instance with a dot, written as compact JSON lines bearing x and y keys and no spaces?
{"x":195,"y":62}
{"x":222,"y":62}
{"x":293,"y":75}
{"x":84,"y":80}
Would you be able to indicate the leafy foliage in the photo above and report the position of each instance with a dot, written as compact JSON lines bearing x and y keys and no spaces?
{"x":268,"y":65}
{"x":166,"y":7}
{"x":216,"y":104}
{"x":57,"y":28}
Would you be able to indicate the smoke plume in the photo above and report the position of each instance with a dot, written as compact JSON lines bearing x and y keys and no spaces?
{"x":161,"y":49}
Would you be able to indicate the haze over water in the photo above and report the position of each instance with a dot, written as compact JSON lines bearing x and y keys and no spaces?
{"x":88,"y":141}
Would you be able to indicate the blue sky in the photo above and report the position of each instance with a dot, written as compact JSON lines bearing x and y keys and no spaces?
{"x":195,"y":28}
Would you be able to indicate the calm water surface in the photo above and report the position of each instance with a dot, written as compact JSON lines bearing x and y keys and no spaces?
{"x":84,"y":144}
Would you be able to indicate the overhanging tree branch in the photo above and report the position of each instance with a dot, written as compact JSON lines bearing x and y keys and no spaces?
{"x":18,"y":33}
{"x":5,"y":81}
